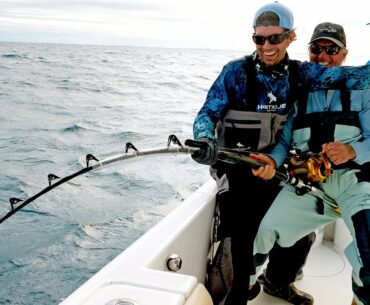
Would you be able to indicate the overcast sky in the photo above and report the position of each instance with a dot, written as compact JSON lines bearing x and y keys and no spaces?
{"x":222,"y":24}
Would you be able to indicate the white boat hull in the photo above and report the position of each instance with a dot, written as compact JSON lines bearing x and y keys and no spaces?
{"x":139,"y":275}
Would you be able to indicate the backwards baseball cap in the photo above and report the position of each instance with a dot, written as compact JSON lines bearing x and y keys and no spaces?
{"x":330,"y":31}
{"x":274,"y":13}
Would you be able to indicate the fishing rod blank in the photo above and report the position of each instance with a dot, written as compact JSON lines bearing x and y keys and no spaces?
{"x":136,"y":153}
{"x":17,"y":204}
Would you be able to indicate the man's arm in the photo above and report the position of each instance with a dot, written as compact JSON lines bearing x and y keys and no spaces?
{"x":317,"y":77}
{"x":281,"y":150}
{"x":215,"y":106}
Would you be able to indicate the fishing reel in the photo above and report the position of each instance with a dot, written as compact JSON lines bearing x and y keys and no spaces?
{"x":313,"y":167}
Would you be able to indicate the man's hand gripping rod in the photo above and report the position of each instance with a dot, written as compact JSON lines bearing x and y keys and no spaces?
{"x":239,"y":156}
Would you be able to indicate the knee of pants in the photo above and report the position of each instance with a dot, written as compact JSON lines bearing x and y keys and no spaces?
{"x":265,"y":239}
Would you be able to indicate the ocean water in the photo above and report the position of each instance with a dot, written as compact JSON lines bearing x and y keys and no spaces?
{"x":61,"y":102}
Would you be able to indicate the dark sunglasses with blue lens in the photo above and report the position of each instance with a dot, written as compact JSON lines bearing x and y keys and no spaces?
{"x":330,"y":50}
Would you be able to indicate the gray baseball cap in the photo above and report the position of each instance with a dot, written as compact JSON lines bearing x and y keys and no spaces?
{"x":330,"y":31}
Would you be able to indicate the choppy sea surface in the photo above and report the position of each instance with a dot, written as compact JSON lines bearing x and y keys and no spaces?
{"x":61,"y":102}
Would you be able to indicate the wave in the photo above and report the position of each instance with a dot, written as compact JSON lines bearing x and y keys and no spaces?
{"x":109,"y":130}
{"x":74,"y":128}
{"x":81,"y":127}
{"x":36,"y":212}
{"x":14,"y":56}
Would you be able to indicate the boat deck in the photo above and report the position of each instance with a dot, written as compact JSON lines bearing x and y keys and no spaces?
{"x":327,"y":277}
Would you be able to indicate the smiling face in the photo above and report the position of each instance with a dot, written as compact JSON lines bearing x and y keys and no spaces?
{"x":325,"y":59}
{"x":272,"y":54}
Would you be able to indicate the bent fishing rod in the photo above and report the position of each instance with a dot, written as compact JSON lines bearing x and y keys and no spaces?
{"x":234,"y":156}
{"x":130,"y":152}
{"x":241,"y":156}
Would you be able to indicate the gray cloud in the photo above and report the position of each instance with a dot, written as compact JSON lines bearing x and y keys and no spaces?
{"x":8,"y":6}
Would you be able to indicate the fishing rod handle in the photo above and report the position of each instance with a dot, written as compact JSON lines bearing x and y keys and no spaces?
{"x":195,"y":143}
{"x":229,"y":154}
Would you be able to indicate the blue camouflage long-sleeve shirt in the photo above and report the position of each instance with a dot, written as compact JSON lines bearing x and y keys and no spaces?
{"x":228,"y":90}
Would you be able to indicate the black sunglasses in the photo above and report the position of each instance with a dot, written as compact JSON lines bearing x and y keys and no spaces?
{"x":272,"y":39}
{"x":330,"y":50}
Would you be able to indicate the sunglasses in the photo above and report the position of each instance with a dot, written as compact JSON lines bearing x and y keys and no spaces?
{"x":272,"y":39}
{"x":330,"y":50}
